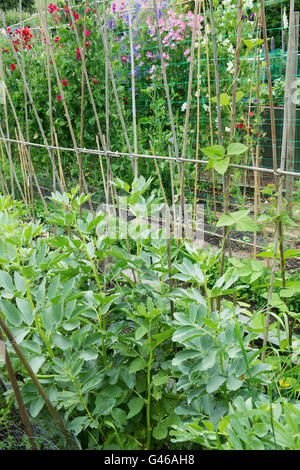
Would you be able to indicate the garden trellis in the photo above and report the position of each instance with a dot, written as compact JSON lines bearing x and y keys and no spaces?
{"x":143,"y":88}
{"x":197,"y":96}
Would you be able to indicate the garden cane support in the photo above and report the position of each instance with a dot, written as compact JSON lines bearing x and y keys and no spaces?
{"x":36,"y":382}
{"x":16,"y":389}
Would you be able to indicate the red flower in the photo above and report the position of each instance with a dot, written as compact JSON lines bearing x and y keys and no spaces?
{"x":95,"y":81}
{"x":58,"y":98}
{"x":12,"y":67}
{"x":64,"y":82}
{"x":251,"y":114}
{"x":5,"y":50}
{"x":239,"y":125}
{"x":125,"y":101}
{"x":56,"y":39}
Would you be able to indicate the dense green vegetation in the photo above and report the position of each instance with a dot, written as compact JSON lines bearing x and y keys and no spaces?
{"x":145,"y":364}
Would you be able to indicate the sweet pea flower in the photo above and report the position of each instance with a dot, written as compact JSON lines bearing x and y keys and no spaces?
{"x":87,"y":33}
{"x":58,"y":98}
{"x":64,"y":82}
{"x":95,"y":81}
{"x":251,"y":114}
{"x":12,"y":67}
{"x":56,"y":39}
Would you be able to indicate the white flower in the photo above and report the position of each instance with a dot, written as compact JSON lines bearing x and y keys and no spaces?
{"x":231,"y":49}
{"x":227,"y":129}
{"x":248,"y":4}
{"x":285,"y":21}
{"x":230,"y":67}
{"x":183,"y":107}
{"x":205,"y":107}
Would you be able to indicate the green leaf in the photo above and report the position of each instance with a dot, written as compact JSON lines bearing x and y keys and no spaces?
{"x":137,"y":364}
{"x":209,"y":360}
{"x":120,"y":416}
{"x":6,"y":281}
{"x":31,"y":346}
{"x":79,"y":423}
{"x":53,"y":287}
{"x":104,"y":405}
{"x":215,"y":383}
{"x":160,"y":431}
{"x":233,"y":383}
{"x":292,"y":253}
{"x":10,"y":312}
{"x":36,"y":406}
{"x":224,"y":99}
{"x":57,"y":313}
{"x":62,"y":342}
{"x":225,"y":220}
{"x":36,"y":363}
{"x":221,"y":166}
{"x":239,"y":96}
{"x":160,"y":379}
{"x":140,"y":332}
{"x":215,"y":151}
{"x":236,"y":148}
{"x":20,"y":283}
{"x":135,"y":406}
{"x":88,"y":354}
{"x":25,"y":310}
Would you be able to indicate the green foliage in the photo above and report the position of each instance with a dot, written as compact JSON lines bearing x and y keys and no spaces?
{"x":119,"y":369}
{"x":27,"y":5}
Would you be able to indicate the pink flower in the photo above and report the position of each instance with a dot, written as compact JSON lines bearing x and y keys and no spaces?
{"x":56,"y":39}
{"x":95,"y":81}
{"x":87,"y":33}
{"x":251,"y":114}
{"x":123,"y":58}
{"x":58,"y":98}
{"x":64,"y":82}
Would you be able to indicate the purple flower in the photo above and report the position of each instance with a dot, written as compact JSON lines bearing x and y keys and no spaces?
{"x":114,"y":7}
{"x":111,"y":24}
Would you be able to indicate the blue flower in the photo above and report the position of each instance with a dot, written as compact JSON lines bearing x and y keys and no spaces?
{"x":111,"y":24}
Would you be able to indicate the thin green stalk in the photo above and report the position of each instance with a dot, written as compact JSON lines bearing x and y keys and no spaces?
{"x":149,"y":391}
{"x":36,"y":318}
{"x":96,"y":277}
